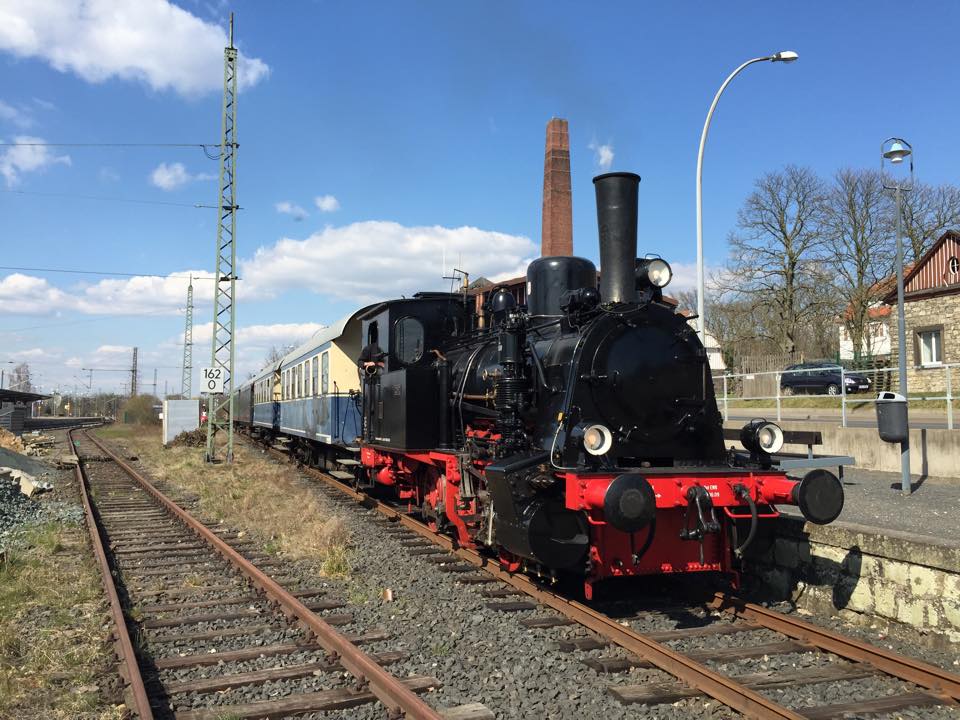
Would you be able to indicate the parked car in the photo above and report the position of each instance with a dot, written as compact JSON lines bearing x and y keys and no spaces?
{"x":821,"y":378}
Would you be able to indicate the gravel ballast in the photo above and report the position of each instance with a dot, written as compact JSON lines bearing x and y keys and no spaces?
{"x":485,"y":655}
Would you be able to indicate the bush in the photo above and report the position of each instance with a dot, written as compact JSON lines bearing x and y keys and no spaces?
{"x":139,"y":410}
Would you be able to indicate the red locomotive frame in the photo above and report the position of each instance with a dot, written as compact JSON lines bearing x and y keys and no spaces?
{"x":431,"y":480}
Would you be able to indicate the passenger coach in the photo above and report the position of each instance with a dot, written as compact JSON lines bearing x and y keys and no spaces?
{"x":312,"y":393}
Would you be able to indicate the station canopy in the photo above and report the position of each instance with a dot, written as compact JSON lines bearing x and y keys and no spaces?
{"x":15,"y":396}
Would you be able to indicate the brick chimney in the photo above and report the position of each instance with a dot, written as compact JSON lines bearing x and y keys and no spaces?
{"x":557,"y":234}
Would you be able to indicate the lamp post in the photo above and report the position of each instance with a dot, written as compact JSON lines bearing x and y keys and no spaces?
{"x":896,"y":150}
{"x":785,"y":56}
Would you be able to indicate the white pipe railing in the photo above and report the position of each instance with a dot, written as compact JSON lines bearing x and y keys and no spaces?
{"x":735,"y":380}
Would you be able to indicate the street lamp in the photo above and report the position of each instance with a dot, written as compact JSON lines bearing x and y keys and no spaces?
{"x":784,"y":56}
{"x":896,"y":150}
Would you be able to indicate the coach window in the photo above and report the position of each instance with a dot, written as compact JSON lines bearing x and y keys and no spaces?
{"x":409,"y":340}
{"x":306,"y":379}
{"x":316,"y":385}
{"x":325,"y":373}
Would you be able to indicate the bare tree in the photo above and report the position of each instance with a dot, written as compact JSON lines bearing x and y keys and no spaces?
{"x":858,"y":235}
{"x":686,"y":300}
{"x":775,"y":258}
{"x":20,"y":378}
{"x":275,"y":354}
{"x":927,"y":212}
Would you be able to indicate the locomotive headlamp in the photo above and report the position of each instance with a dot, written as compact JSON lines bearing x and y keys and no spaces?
{"x":762,"y":436}
{"x":654,"y":271}
{"x":597,"y":439}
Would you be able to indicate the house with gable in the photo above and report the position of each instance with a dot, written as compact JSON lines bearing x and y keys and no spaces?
{"x":931,"y":301}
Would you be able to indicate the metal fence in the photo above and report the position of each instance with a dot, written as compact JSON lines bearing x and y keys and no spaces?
{"x":768,"y":385}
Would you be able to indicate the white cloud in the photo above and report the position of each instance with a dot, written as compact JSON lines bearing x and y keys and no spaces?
{"x":16,"y":115}
{"x":365,"y":261}
{"x":254,"y":342}
{"x":288,"y":208}
{"x":140,"y":295}
{"x":684,"y":277}
{"x":115,"y":349}
{"x":170,"y":177}
{"x":603,"y":154}
{"x":19,"y":159}
{"x":27,"y":295}
{"x":151,"y":41}
{"x":27,"y":355}
{"x":327,"y":203}
{"x":375,"y":259}
{"x":263,"y":335}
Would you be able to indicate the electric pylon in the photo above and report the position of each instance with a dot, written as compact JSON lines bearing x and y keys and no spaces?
{"x":133,"y":375}
{"x":220,"y":407}
{"x":186,"y":379}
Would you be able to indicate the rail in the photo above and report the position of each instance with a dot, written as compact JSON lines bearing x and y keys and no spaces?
{"x":729,"y":381}
{"x":398,"y":699}
{"x":123,"y":645}
{"x":722,"y":688}
{"x":938,"y":682}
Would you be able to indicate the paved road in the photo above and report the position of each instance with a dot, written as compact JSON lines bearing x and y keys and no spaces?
{"x":857,"y":421}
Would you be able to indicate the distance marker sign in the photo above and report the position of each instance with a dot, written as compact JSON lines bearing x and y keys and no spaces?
{"x":212,"y":381}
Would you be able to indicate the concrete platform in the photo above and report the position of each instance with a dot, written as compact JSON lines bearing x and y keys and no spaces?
{"x":932,"y":452}
{"x":873,"y":499}
{"x":888,"y":560}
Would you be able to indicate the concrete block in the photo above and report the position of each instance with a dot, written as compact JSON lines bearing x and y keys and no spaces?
{"x":870,"y":567}
{"x":854,"y":594}
{"x":951,"y":587}
{"x":896,"y":572}
{"x":828,"y":553}
{"x":885,"y":600}
{"x":925,"y":582}
{"x":910,"y":612}
{"x":951,"y":614}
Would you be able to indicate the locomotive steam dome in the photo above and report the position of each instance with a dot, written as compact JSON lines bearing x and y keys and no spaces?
{"x":549,"y":278}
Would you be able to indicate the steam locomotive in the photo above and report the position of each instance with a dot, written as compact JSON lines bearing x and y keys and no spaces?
{"x":577,"y":434}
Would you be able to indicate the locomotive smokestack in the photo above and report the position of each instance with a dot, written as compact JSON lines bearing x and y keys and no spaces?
{"x":617,"y":225}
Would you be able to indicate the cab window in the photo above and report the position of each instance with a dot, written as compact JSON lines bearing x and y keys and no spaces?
{"x":409,"y":332}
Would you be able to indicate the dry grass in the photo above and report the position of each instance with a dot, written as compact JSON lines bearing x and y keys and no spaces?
{"x":55,"y":662}
{"x":255,"y":494}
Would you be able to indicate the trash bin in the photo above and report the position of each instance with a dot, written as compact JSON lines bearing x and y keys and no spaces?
{"x":892,"y":417}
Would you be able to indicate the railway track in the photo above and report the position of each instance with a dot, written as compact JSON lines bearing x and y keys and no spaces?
{"x":826,"y":656}
{"x":203,"y":632}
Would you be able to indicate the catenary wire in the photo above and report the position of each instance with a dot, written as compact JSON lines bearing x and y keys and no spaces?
{"x":109,"y":199}
{"x":103,"y":272}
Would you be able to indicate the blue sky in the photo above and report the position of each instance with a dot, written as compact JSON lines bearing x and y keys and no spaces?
{"x":420,"y":127}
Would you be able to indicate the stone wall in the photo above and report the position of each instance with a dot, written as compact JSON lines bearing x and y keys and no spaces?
{"x":942,"y":310}
{"x":871,"y":579}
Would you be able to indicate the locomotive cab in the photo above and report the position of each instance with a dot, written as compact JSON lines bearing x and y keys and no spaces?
{"x":401,"y":401}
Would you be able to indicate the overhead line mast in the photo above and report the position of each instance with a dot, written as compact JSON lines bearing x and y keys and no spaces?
{"x":186,"y":379}
{"x":223,"y":356}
